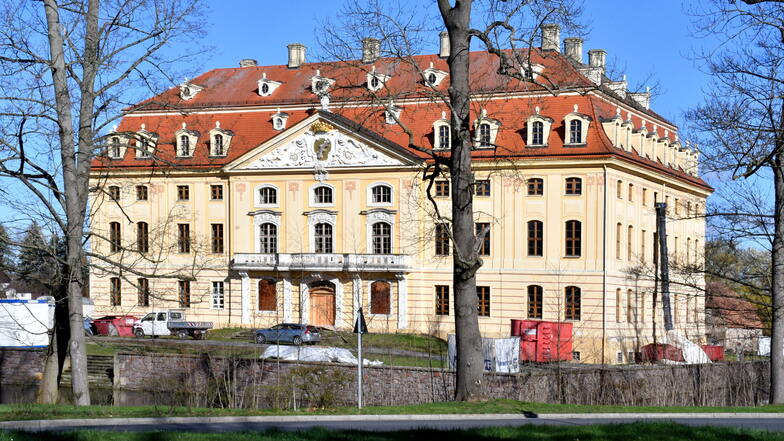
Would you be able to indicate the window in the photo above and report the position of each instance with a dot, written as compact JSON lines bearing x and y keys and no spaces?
{"x":484,"y":135}
{"x":677,"y":206}
{"x":575,"y":131}
{"x":442,"y":300}
{"x":217,"y":295}
{"x":217,"y":145}
{"x":216,"y":192}
{"x":115,"y":294}
{"x":629,"y":241}
{"x":442,"y":189}
{"x":184,"y":288}
{"x":322,"y":195}
{"x":115,"y":239}
{"x":381,"y":194}
{"x":618,"y":228}
{"x":483,"y":301}
{"x":630,"y":307}
{"x":114,"y":192}
{"x":431,"y":79}
{"x":535,"y":187}
{"x":143,"y":292}
{"x":443,"y":137}
{"x":185,"y":145}
{"x":537,"y":133}
{"x":572,"y":302}
{"x":573,"y":238}
{"x":631,"y":192}
{"x":141,"y":193}
{"x":535,"y":238}
{"x":216,"y":241}
{"x":688,"y":208}
{"x":114,"y":147}
{"x":382,"y":238}
{"x":268,"y":196}
{"x":645,"y":197}
{"x":482,"y":187}
{"x":619,"y":189}
{"x":688,"y":250}
{"x":642,"y":245}
{"x":483,"y":228}
{"x":323,"y":238}
{"x":535,"y":299}
{"x":268,"y":298}
{"x":379,"y":297}
{"x":184,"y":238}
{"x":442,"y":239}
{"x":183,"y":193}
{"x":268,"y":238}
{"x":618,"y":306}
{"x":574,"y":186}
{"x":144,"y":150}
{"x":142,"y":237}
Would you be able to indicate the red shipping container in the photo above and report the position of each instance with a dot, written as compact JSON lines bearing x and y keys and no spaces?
{"x":655,"y":352}
{"x":715,"y":353}
{"x":544,"y":342}
{"x":115,"y":325}
{"x":517,"y":328}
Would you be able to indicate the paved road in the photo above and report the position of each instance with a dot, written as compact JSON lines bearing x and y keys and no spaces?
{"x":770,"y":422}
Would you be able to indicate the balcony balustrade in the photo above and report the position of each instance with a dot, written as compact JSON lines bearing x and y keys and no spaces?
{"x":353,"y":263}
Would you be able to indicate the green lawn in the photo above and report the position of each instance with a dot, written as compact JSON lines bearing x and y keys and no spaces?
{"x":609,"y":432}
{"x":10,"y":412}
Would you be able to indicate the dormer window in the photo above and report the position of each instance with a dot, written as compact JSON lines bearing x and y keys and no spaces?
{"x":538,"y":130}
{"x":486,"y":130}
{"x":531,"y":72}
{"x":576,"y":127}
{"x":442,"y":133}
{"x":320,"y":85}
{"x":220,"y":140}
{"x":392,"y":114}
{"x":484,"y":135}
{"x":186,"y":141}
{"x":537,"y":133}
{"x":189,"y":90}
{"x":433,"y":76}
{"x":279,"y":120}
{"x":116,"y":146}
{"x":376,"y":80}
{"x":267,"y":86}
{"x":145,"y":143}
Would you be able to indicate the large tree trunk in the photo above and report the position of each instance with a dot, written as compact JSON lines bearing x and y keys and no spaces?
{"x":470,"y":363}
{"x":777,"y":288}
{"x":49,"y":389}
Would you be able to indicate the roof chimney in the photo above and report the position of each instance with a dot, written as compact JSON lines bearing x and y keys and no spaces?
{"x":247,"y":62}
{"x":597,"y":58}
{"x":371,"y":49}
{"x":296,"y":55}
{"x":443,"y":51}
{"x":551,"y":37}
{"x":642,"y":98}
{"x":573,"y":49}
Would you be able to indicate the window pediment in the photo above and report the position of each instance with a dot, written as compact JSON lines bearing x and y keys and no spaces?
{"x":267,"y":86}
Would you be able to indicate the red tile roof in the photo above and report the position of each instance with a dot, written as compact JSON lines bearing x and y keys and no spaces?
{"x":733,"y":310}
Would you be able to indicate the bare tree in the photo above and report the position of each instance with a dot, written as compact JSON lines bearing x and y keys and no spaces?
{"x":742,"y":123}
{"x":66,"y":70}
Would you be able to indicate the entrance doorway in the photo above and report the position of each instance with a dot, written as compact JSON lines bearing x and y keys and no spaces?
{"x":322,"y":304}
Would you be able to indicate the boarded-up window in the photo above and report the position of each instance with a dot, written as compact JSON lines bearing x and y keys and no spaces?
{"x":379,"y":298}
{"x":267,"y":295}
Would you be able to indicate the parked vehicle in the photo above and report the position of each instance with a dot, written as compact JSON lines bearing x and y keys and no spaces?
{"x":293,"y":333}
{"x":170,"y":322}
{"x":115,"y":325}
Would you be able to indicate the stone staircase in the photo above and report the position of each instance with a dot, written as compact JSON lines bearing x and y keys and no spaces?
{"x":100,"y":370}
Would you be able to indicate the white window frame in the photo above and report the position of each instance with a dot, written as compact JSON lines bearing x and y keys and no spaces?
{"x":494,"y":124}
{"x":547,"y":124}
{"x":319,"y":217}
{"x":189,"y":90}
{"x":142,"y":137}
{"x":227,"y":136}
{"x":123,"y":144}
{"x":585,"y":124}
{"x":218,"y":299}
{"x":391,"y":113}
{"x":257,"y":196}
{"x":193,"y":139}
{"x":374,"y":216}
{"x":382,"y":80}
{"x":436,"y":135}
{"x":440,"y":75}
{"x":271,"y":85}
{"x":279,"y":120}
{"x":265,"y":217}
{"x":370,"y":188}
{"x":314,"y":81}
{"x":312,"y":195}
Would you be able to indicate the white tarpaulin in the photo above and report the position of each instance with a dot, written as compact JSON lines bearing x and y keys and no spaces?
{"x":315,"y":353}
{"x":500,"y":354}
{"x":25,"y":323}
{"x":692,"y":353}
{"x":763,"y":346}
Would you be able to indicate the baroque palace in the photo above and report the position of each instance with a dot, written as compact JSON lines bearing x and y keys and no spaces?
{"x":263,"y":194}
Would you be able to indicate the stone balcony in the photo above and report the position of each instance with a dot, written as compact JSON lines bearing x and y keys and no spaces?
{"x":353,"y":263}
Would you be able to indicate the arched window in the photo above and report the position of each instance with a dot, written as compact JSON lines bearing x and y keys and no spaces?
{"x":323,"y":238}
{"x":115,"y":293}
{"x":217,"y":147}
{"x":573,"y":238}
{"x":268,"y":238}
{"x":575,"y":131}
{"x":629,"y":243}
{"x":443,"y":137}
{"x":535,"y":299}
{"x":484,"y":135}
{"x":115,"y":241}
{"x":631,"y":310}
{"x":185,"y":145}
{"x":381,"y":194}
{"x":572,"y":302}
{"x":114,"y":147}
{"x":322,"y":195}
{"x":537,"y":133}
{"x":574,"y":186}
{"x":382,"y":238}
{"x":618,"y":228}
{"x":535,"y":238}
{"x":380,"y":297}
{"x":268,"y":296}
{"x":618,"y":306}
{"x":142,"y":237}
{"x":268,"y":196}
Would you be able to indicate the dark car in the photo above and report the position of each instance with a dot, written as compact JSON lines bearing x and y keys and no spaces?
{"x":293,"y":333}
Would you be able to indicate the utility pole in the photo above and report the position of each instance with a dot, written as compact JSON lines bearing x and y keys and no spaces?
{"x":360,"y":327}
{"x":664,"y":265}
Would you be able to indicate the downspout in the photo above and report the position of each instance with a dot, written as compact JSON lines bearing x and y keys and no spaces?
{"x":604,"y":265}
{"x":230,"y":243}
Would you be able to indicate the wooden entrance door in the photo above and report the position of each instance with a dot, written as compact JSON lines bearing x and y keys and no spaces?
{"x":322,"y":305}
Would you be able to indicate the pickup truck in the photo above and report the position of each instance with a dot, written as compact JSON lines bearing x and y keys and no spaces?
{"x":170,"y":322}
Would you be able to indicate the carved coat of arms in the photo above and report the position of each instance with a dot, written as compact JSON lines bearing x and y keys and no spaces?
{"x":322,"y":148}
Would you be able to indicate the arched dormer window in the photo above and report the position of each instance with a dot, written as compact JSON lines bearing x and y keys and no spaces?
{"x":220,"y":140}
{"x":320,"y":85}
{"x":146,"y":142}
{"x":189,"y":90}
{"x":432,"y":76}
{"x":576,"y":128}
{"x":117,"y":143}
{"x":486,"y":130}
{"x":376,"y":80}
{"x":279,"y":120}
{"x":442,"y":133}
{"x":186,"y":141}
{"x":267,"y":86}
{"x":538,"y":130}
{"x":392,"y":114}
{"x":114,"y":147}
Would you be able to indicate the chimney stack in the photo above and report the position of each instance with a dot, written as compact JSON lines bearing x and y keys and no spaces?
{"x":597,"y":58}
{"x":247,"y":62}
{"x":573,"y":49}
{"x":551,"y":37}
{"x":296,"y":55}
{"x":443,"y":51}
{"x":371,"y":50}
